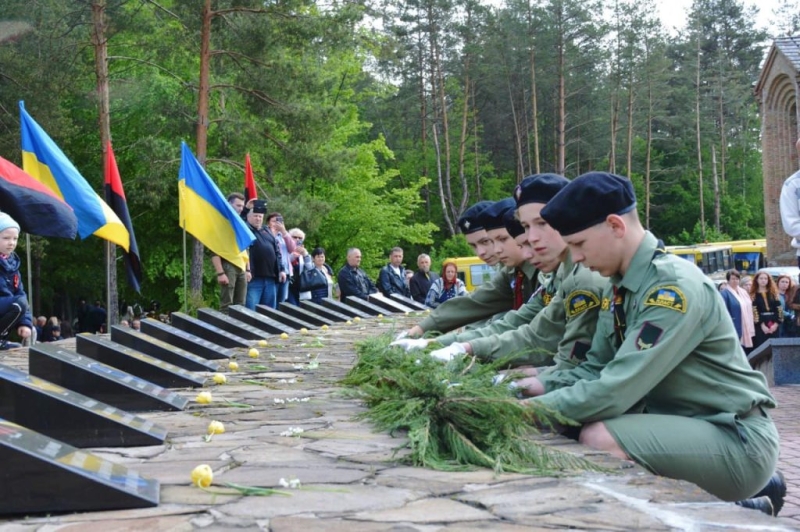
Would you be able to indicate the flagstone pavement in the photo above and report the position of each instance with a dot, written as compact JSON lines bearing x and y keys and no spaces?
{"x":353,"y":479}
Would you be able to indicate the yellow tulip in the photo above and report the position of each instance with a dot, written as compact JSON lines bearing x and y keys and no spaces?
{"x":262,"y":343}
{"x":324,"y":327}
{"x":216,"y":427}
{"x":253,"y":353}
{"x":303,"y":331}
{"x":202,"y":476}
{"x":284,"y":336}
{"x":219,"y":378}
{"x":356,"y":319}
{"x":348,"y":322}
{"x":233,"y":366}
{"x":204,"y":398}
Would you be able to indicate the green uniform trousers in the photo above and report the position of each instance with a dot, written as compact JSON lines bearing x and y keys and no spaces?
{"x":732,"y":457}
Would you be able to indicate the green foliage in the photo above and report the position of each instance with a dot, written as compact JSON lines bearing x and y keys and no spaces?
{"x":455,"y":417}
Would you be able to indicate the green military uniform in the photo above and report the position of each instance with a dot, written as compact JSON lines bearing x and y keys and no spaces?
{"x":677,"y":392}
{"x":492,"y":297}
{"x":561,"y":322}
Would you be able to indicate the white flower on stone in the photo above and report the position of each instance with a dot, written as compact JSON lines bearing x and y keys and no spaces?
{"x":293,"y":483}
{"x":278,"y":401}
{"x":292,"y":431}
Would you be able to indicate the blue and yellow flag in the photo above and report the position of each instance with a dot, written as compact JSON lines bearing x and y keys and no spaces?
{"x":46,"y":163}
{"x":207,"y":215}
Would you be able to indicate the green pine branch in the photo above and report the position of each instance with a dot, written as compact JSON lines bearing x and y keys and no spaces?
{"x":454,"y":417}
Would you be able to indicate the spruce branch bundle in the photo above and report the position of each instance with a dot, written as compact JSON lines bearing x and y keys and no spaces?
{"x":455,"y":417}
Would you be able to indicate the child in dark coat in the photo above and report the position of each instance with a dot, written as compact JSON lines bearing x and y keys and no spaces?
{"x":14,"y":310}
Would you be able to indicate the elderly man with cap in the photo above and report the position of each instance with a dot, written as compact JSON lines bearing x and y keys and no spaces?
{"x":13,"y":299}
{"x":557,"y":324}
{"x":232,"y":279}
{"x":507,"y":290}
{"x":266,"y":267}
{"x":666,"y":383}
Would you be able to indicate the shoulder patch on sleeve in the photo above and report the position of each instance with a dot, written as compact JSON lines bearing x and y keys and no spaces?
{"x":649,"y":335}
{"x":580,"y":301}
{"x":579,"y":350}
{"x":669,"y":297}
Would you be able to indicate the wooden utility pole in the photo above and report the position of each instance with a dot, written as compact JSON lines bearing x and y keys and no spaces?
{"x":101,"y":72}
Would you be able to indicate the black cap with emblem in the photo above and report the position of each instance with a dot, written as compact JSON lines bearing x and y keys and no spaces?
{"x":468,"y":222}
{"x":587,"y":201}
{"x":539,"y":188}
{"x":492,"y":217}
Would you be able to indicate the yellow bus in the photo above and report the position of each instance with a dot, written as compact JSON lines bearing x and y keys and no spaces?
{"x":473,"y":271}
{"x":710,"y":258}
{"x":749,"y":256}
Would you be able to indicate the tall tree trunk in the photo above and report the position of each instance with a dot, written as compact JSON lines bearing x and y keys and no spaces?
{"x":699,"y":145}
{"x":535,"y":115}
{"x":448,"y":220}
{"x":101,"y":72}
{"x":423,"y":113}
{"x":629,"y":158}
{"x":561,"y":140}
{"x":462,"y":145}
{"x":716,"y":187}
{"x":196,"y":277}
{"x":520,"y":166}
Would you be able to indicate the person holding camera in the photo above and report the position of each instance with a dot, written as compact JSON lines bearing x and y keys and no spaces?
{"x":287,"y":245}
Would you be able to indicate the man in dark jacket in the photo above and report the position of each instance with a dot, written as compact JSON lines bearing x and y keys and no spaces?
{"x":392,"y":278}
{"x":353,"y":281}
{"x":265,"y":269}
{"x":423,"y":277}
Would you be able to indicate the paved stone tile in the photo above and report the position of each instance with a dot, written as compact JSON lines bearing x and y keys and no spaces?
{"x":353,"y":479}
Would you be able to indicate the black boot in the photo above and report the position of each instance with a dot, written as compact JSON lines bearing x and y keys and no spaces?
{"x":762,"y":504}
{"x":775,"y":490}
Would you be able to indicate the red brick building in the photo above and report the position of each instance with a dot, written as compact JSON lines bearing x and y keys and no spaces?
{"x":777,"y":95}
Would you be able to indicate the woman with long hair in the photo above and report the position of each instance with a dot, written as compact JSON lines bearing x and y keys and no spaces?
{"x":767,"y":311}
{"x":740,"y":307}
{"x":786,"y":290}
{"x":445,"y":287}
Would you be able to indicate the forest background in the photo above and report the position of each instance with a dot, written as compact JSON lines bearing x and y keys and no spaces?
{"x":375,"y":123}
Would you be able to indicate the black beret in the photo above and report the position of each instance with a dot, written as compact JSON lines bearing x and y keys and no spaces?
{"x":513,"y":226}
{"x":468,"y":223}
{"x":539,"y":188}
{"x":587,"y":201}
{"x":492,"y":216}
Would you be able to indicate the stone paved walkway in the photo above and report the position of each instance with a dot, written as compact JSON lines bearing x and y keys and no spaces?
{"x":352,"y":479}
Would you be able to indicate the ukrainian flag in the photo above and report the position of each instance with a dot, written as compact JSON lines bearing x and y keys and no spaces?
{"x":207,"y":215}
{"x":46,"y":163}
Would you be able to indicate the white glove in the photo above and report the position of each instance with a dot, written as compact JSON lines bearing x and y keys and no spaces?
{"x":409,"y":344}
{"x":449,"y":353}
{"x":401,"y":335}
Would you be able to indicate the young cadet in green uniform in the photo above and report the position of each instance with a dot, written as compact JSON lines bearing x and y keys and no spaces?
{"x":507,"y":290}
{"x":565,"y":326}
{"x":666,"y":383}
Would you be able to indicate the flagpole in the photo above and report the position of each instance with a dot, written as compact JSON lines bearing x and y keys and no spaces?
{"x":30,"y":283}
{"x":185,"y":286}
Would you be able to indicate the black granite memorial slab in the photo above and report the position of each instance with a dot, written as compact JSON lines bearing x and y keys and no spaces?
{"x":99,"y":381}
{"x":230,"y":324}
{"x":325,"y":312}
{"x":408,"y":302}
{"x":379,"y":300}
{"x":347,"y":310}
{"x":286,"y":319}
{"x":207,"y":331}
{"x":136,"y":363}
{"x":69,"y":416}
{"x":42,"y":476}
{"x":365,"y":306}
{"x":161,"y":350}
{"x":258,"y":320}
{"x":186,"y":341}
{"x":304,"y":315}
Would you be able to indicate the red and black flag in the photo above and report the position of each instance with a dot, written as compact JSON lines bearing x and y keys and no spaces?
{"x":115,"y":197}
{"x":37,"y":209}
{"x":249,"y":181}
